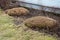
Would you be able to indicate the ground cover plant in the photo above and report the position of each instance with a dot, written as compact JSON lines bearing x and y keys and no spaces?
{"x":9,"y":31}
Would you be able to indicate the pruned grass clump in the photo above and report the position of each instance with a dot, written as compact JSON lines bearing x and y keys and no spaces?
{"x":40,"y":22}
{"x":17,"y":11}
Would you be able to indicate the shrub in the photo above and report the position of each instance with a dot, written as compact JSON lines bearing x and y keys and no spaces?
{"x":41,"y":22}
{"x":4,"y":3}
{"x":17,"y":11}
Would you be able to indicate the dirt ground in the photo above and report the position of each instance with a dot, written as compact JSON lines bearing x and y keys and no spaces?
{"x":19,"y":19}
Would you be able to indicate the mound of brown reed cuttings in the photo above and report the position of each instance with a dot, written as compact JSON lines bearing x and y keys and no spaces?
{"x":17,"y":11}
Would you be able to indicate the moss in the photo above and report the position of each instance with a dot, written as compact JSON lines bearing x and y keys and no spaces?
{"x":17,"y":11}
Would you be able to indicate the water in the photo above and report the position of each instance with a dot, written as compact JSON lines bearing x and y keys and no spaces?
{"x":50,"y":3}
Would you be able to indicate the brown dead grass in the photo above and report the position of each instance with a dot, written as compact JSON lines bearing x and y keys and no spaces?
{"x":17,"y":11}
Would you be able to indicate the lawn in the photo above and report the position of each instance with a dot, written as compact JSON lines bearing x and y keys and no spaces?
{"x":10,"y":31}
